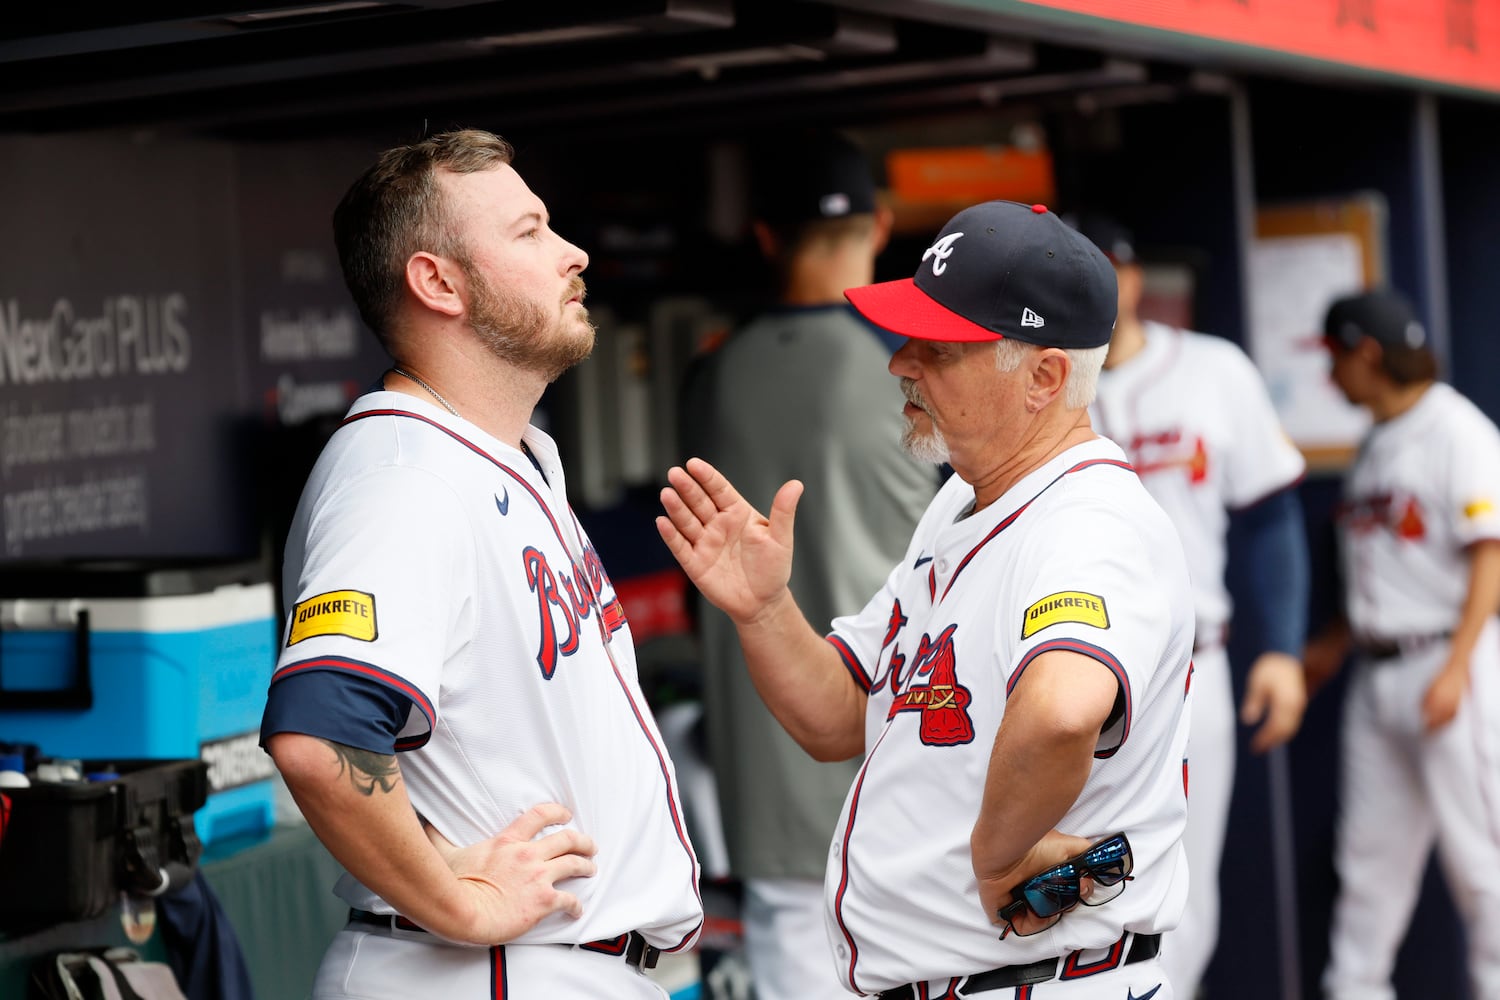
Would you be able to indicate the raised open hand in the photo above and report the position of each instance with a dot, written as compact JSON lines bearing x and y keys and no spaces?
{"x":739,"y":559}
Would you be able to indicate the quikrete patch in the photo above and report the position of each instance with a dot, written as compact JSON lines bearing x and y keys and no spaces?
{"x":338,"y":612}
{"x":1479,"y":507}
{"x":1067,"y":606}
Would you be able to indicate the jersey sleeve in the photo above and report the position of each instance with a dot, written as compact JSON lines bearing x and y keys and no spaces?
{"x":1095,"y":594}
{"x":1473,"y":501}
{"x":861,"y":638}
{"x":381,"y":592}
{"x":1262,"y":458}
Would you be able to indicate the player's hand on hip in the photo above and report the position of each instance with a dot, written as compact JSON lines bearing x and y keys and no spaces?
{"x":995,"y":884}
{"x":511,"y":878}
{"x":1275,"y":700}
{"x":1444,"y":695}
{"x":738,"y":558}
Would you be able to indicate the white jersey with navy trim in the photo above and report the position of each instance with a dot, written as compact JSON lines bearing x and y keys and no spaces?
{"x":1075,"y":556}
{"x":437,"y":560}
{"x":1425,"y":485}
{"x":1193,"y":414}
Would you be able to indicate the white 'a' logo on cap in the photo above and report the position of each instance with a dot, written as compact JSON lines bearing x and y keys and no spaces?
{"x":941,"y":251}
{"x":1029,"y":318}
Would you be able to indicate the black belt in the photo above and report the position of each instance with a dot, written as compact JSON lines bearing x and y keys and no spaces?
{"x":1010,"y":976}
{"x":1388,"y":649}
{"x":632,"y":946}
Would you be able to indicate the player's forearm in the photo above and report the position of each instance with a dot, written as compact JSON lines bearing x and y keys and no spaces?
{"x":803,"y":682}
{"x":1481,"y":601}
{"x":356,"y":803}
{"x":1043,"y":753}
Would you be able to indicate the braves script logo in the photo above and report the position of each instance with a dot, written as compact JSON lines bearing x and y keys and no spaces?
{"x":1384,"y":510}
{"x":564,"y":601}
{"x":932,"y":689}
{"x":1165,"y":450}
{"x":940,"y":252}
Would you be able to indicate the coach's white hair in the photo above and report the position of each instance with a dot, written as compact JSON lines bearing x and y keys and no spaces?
{"x":1083,"y":371}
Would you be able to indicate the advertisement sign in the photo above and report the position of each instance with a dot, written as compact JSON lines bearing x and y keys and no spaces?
{"x":118,"y":377}
{"x":1454,"y":42}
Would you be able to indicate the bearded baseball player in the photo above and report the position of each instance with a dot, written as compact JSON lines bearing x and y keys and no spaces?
{"x":1019,"y":685}
{"x":1419,"y":528}
{"x":456,"y":707}
{"x":1193,"y":415}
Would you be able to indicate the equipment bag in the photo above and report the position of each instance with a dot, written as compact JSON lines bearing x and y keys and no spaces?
{"x":103,"y":974}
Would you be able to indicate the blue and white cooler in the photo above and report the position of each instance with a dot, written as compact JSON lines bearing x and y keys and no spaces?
{"x":165,"y":663}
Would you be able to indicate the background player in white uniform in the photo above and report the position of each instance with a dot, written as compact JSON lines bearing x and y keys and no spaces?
{"x":1019,"y":686}
{"x":457,"y":669}
{"x":1194,"y":416}
{"x":1419,"y":528}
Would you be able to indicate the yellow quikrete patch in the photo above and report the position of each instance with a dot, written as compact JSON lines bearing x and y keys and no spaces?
{"x":1065,"y":606}
{"x":1479,"y":507}
{"x":338,"y":612}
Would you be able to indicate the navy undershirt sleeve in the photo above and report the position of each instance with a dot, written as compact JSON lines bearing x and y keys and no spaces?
{"x":332,"y":705}
{"x":1277,"y":569}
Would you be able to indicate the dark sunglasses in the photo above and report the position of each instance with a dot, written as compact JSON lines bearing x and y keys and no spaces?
{"x":1107,"y":864}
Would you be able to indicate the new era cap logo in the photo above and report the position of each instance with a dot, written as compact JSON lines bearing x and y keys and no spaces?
{"x":1029,"y":318}
{"x":940,"y":252}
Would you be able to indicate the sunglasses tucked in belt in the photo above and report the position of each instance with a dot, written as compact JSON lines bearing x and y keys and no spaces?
{"x":1107,"y":865}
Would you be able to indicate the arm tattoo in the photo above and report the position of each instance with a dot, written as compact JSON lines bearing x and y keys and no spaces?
{"x":367,"y":769}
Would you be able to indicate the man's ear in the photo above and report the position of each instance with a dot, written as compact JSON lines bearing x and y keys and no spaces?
{"x":1370,"y":352}
{"x":1049,"y":374}
{"x":885,"y":219}
{"x":436,"y":283}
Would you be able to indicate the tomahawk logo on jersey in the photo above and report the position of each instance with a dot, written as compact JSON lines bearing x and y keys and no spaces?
{"x":939,"y":650}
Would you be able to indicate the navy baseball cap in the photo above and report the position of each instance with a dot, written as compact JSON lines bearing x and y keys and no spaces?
{"x":1001,"y":269}
{"x":810,"y":175}
{"x":1382,"y":315}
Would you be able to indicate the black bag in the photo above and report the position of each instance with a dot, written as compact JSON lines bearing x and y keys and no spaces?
{"x":102,"y":974}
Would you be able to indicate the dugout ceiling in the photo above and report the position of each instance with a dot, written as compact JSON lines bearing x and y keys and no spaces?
{"x":318,"y":69}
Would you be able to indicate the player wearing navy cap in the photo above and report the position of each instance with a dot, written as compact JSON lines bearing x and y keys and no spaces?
{"x":456,"y":706}
{"x":1019,"y":684}
{"x":1419,"y":526}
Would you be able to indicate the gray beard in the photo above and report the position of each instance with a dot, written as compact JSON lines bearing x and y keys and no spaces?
{"x":929,"y":448}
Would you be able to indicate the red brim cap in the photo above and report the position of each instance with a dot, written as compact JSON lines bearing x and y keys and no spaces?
{"x":903,"y":308}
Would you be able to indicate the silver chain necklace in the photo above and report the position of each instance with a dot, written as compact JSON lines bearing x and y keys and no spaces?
{"x":446,"y":405}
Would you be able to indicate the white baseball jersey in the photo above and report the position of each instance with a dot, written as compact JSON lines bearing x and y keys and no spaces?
{"x":1076,"y":556}
{"x":1424,"y":485}
{"x":437,"y":560}
{"x":1192,"y":412}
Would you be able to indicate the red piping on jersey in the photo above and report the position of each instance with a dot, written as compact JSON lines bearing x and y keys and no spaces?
{"x":1010,"y":519}
{"x":359,"y":667}
{"x":1099,"y":653}
{"x":661,"y":758}
{"x":1072,"y":970}
{"x":498,"y":989}
{"x":851,"y":662}
{"x":838,"y":896}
